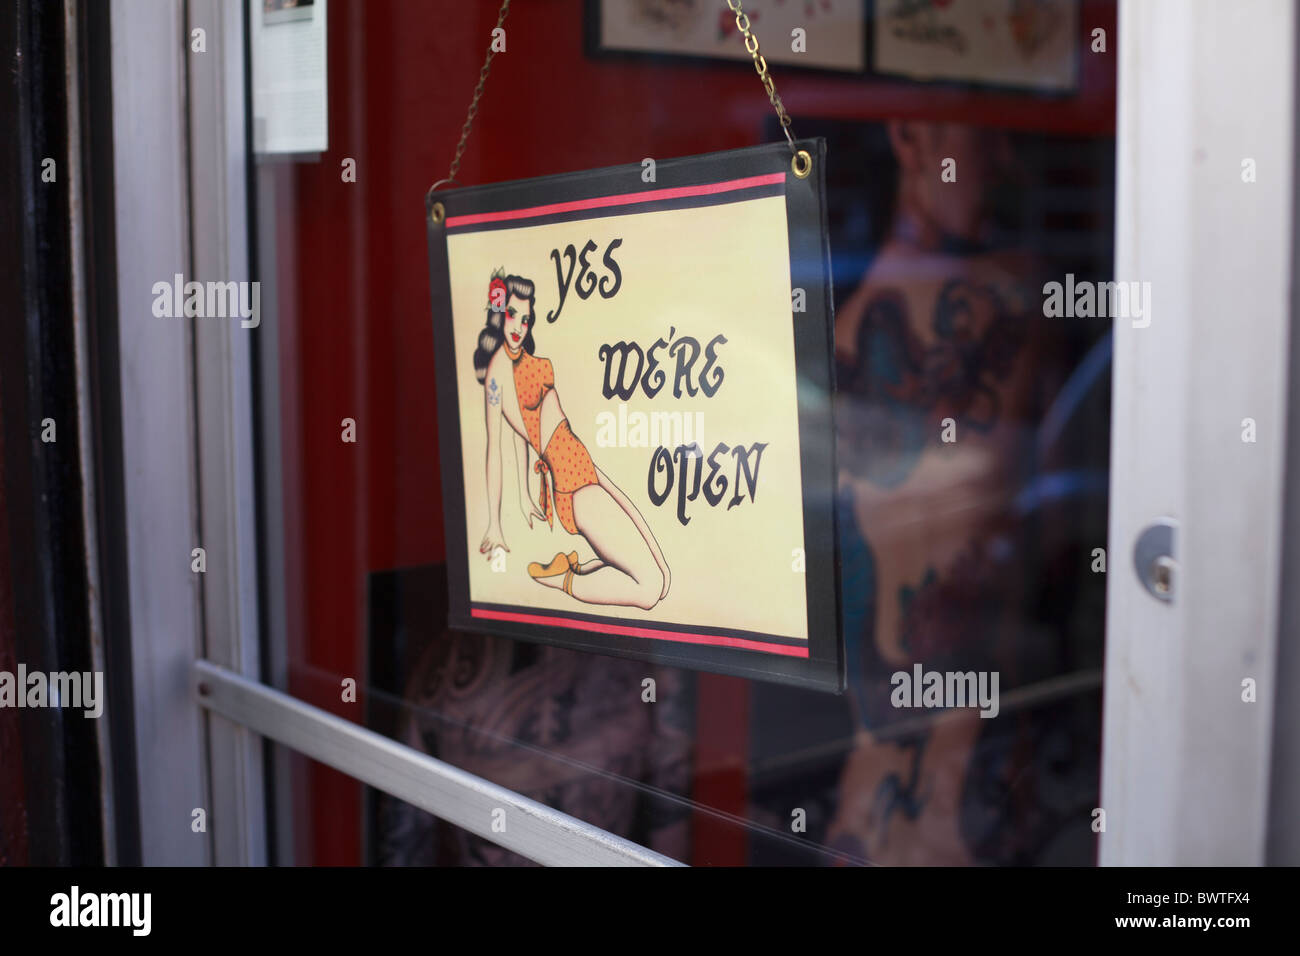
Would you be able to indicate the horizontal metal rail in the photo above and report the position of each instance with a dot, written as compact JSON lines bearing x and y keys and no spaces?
{"x":495,"y":813}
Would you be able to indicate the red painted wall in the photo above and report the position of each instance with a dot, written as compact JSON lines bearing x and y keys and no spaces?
{"x":356,"y":331}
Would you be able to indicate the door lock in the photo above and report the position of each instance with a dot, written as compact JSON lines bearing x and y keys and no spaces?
{"x":1153,"y":557}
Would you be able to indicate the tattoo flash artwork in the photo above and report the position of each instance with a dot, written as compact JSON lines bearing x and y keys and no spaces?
{"x":628,"y":567}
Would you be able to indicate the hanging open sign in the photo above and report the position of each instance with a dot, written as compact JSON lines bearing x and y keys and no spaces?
{"x":634,"y":382}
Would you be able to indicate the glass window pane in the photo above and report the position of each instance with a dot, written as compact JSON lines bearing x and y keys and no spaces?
{"x":973,"y":432}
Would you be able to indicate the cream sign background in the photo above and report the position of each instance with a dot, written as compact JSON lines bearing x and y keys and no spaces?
{"x":697,"y":272}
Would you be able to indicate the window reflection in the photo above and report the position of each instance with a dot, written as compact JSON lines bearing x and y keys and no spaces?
{"x":974,"y":555}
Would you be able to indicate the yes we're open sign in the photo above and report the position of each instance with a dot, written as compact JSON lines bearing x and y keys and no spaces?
{"x":634,"y":384}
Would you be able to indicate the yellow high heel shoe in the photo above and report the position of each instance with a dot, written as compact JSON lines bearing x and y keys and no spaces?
{"x":560,"y":564}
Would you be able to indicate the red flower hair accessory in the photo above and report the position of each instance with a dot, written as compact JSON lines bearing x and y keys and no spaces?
{"x":497,"y":295}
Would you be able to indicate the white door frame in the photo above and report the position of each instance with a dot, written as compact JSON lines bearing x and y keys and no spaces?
{"x":1206,"y":88}
{"x":151,"y":207}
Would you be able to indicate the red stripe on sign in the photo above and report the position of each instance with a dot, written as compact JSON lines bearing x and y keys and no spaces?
{"x":622,"y":199}
{"x":685,"y":637}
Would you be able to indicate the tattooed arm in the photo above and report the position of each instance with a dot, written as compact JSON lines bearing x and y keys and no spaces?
{"x":938,"y":370}
{"x":493,"y":538}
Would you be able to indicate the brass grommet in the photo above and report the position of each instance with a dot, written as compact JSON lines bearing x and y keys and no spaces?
{"x":437,"y":213}
{"x":801,"y":164}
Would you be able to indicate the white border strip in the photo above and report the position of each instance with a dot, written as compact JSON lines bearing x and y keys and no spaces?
{"x":224,"y":415}
{"x":151,"y":201}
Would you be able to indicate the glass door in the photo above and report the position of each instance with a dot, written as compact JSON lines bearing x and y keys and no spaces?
{"x":1031,"y":259}
{"x":973,"y":444}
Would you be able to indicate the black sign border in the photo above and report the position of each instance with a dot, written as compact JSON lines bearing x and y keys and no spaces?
{"x":823,"y":669}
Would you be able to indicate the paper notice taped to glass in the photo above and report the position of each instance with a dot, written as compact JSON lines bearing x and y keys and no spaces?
{"x":289,"y":88}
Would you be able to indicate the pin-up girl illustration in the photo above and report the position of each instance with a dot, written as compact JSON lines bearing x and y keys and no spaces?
{"x":628,"y":568}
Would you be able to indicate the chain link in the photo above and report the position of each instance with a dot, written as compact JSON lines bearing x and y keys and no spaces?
{"x":760,"y":67}
{"x":478,"y":92}
{"x":742,"y":24}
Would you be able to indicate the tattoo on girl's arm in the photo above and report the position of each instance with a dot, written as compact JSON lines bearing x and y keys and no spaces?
{"x":494,"y":393}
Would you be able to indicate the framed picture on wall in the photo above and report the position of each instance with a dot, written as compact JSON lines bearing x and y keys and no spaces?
{"x":634,"y":382}
{"x":1019,"y":44}
{"x":813,"y":34}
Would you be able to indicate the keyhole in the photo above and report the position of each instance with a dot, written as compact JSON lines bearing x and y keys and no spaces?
{"x":1162,"y":574}
{"x":1153,"y":559}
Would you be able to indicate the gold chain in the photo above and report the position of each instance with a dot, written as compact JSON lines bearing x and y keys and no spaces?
{"x":478,"y":92}
{"x":760,"y":66}
{"x":751,"y":46}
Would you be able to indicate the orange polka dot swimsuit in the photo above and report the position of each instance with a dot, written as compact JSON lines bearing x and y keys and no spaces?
{"x":565,"y":465}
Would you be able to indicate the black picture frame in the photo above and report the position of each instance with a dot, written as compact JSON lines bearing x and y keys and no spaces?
{"x":874,"y":71}
{"x":595,"y":50}
{"x":823,"y":666}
